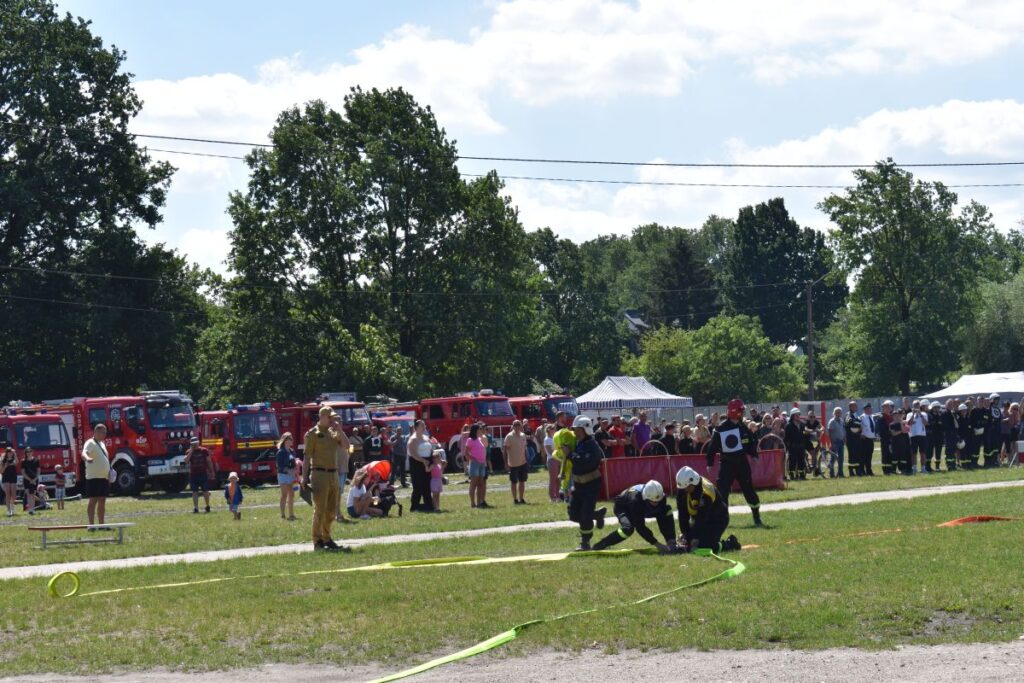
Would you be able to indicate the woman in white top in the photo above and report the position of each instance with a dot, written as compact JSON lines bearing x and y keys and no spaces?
{"x":360,"y":502}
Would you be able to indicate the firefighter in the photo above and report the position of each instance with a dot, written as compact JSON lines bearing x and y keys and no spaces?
{"x":632,"y":507}
{"x":733,"y":442}
{"x":585,"y":461}
{"x":899,"y":442}
{"x":889,"y":463}
{"x":854,"y":440}
{"x":320,"y":475}
{"x":993,"y":432}
{"x":933,"y":432}
{"x":950,"y":433}
{"x":796,"y":446}
{"x":964,"y":434}
{"x":978,"y":418}
{"x":703,"y":513}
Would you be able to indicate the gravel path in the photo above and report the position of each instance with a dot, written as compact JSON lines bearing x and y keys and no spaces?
{"x":47,"y":570}
{"x":927,"y":664}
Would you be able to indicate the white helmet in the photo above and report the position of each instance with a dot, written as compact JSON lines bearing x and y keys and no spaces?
{"x":687,"y":476}
{"x":653,"y":491}
{"x":585,"y":423}
{"x":936,"y":404}
{"x":962,"y":406}
{"x":994,"y":397}
{"x":794,"y":411}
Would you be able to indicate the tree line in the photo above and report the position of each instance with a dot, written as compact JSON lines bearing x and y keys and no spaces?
{"x":361,"y":259}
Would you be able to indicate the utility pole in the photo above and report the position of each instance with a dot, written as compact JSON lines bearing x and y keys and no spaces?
{"x":810,"y":334}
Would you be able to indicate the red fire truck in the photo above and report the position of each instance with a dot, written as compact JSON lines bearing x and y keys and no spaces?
{"x":242,"y":439}
{"x":532,"y":409}
{"x":147,"y":435}
{"x":445,"y":418}
{"x":299,"y":418}
{"x":47,"y":436}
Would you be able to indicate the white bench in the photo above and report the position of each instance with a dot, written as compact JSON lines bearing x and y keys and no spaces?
{"x":118,"y":538}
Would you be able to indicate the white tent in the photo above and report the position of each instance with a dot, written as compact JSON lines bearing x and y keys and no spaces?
{"x":1009,"y":386}
{"x":616,"y":393}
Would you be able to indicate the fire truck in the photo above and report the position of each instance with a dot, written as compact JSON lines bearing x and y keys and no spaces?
{"x":147,"y":435}
{"x":242,"y":439}
{"x":47,"y":436}
{"x":445,"y":417}
{"x":532,"y":409}
{"x":299,"y":418}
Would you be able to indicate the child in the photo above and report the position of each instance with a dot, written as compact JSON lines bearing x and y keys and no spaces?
{"x":436,"y":480}
{"x":42,"y":500}
{"x":233,"y":494}
{"x":59,"y":481}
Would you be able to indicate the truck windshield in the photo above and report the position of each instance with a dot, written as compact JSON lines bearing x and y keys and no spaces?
{"x":567,"y":405}
{"x":170,"y":415}
{"x":255,"y":426}
{"x":500,"y":408}
{"x":42,"y":435}
{"x":354,"y":416}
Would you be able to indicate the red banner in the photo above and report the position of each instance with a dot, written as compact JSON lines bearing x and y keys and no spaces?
{"x":619,"y":474}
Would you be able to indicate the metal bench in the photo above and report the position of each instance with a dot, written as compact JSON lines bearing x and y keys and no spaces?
{"x":118,"y":538}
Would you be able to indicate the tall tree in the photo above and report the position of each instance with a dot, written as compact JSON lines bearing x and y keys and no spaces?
{"x":916,"y":261}
{"x":768,"y":262}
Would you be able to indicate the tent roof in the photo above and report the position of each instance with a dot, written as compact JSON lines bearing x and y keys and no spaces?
{"x":1009,"y":386}
{"x":629,"y":392}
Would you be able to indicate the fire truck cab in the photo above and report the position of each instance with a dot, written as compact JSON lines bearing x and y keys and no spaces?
{"x":147,"y":435}
{"x":47,"y":436}
{"x":533,"y":409}
{"x":299,"y":418}
{"x":445,"y":418}
{"x":242,"y":439}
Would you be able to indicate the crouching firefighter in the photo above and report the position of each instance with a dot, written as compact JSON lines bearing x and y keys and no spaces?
{"x":734,"y":443}
{"x":633,"y":506}
{"x":703,"y":514}
{"x":585,"y":462}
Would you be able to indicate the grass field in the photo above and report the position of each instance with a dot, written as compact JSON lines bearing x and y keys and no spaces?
{"x":816,"y":581}
{"x":166,"y":525}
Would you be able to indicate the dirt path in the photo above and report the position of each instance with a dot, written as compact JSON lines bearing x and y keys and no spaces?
{"x":928,"y":664}
{"x":47,"y":570}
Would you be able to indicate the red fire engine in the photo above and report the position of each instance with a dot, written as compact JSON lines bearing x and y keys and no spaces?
{"x":532,"y":409}
{"x":242,"y":439}
{"x":147,"y":435}
{"x":299,"y":418}
{"x":445,"y":418}
{"x":47,"y":436}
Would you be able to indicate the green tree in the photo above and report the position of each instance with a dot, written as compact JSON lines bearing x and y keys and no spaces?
{"x":768,"y":261}
{"x":916,"y":262}
{"x":995,"y":342}
{"x":729,"y":356}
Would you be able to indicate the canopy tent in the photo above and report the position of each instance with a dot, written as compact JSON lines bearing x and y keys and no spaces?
{"x":1009,"y":386}
{"x":616,"y":393}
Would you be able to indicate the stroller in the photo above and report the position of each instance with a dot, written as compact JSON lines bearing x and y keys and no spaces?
{"x":384,"y":498}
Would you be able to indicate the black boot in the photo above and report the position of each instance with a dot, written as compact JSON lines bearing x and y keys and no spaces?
{"x":757,"y":516}
{"x":599,"y":517}
{"x":584,"y":541}
{"x":731,"y":543}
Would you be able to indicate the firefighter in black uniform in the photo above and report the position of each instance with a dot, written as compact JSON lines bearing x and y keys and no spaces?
{"x":889,"y":464}
{"x":993,"y":432}
{"x":854,"y":440}
{"x":978,"y":416}
{"x":632,"y":507}
{"x":586,"y":481}
{"x":934,"y":431}
{"x":703,"y":514}
{"x":964,"y":433}
{"x":796,"y":446}
{"x":899,"y":442}
{"x":734,"y":443}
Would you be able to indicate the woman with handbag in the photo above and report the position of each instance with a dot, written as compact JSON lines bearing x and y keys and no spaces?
{"x":286,"y":474}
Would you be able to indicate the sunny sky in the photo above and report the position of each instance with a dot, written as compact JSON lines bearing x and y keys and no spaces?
{"x":737,"y":82}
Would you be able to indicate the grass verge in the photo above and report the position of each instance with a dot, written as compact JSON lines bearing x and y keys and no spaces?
{"x":816,"y":581}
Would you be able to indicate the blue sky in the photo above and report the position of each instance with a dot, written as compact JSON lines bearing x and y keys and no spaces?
{"x":653,"y":80}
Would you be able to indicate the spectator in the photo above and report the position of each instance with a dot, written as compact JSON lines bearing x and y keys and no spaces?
{"x":342,"y":458}
{"x":30,"y":478}
{"x":399,"y":458}
{"x":917,"y":423}
{"x":355,"y":441}
{"x":641,"y":433}
{"x":837,"y":435}
{"x":765,"y":427}
{"x":553,"y":463}
{"x":42,"y":499}
{"x":233,"y":495}
{"x":531,"y":447}
{"x":9,"y":478}
{"x":373,"y":446}
{"x":668,"y":440}
{"x":686,"y":444}
{"x":603,"y":438}
{"x":513,"y":450}
{"x":200,"y":473}
{"x":627,"y":426}
{"x":701,"y":434}
{"x":437,"y":479}
{"x":1011,"y":431}
{"x":618,"y":438}
{"x":796,"y":446}
{"x":286,"y":474}
{"x":97,"y":474}
{"x":869,"y":433}
{"x":539,"y":434}
{"x":60,"y":481}
{"x":713,"y":422}
{"x":420,"y":449}
{"x":477,"y":468}
{"x":360,"y":502}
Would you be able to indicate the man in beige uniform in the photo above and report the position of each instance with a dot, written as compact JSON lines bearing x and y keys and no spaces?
{"x":320,"y":475}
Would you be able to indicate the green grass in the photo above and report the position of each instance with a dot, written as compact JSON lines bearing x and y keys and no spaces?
{"x":166,"y":525}
{"x":811,"y":584}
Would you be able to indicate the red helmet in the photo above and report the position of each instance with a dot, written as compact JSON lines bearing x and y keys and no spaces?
{"x":736,"y":409}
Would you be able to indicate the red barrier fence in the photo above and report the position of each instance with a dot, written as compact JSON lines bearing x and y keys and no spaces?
{"x":621,"y":473}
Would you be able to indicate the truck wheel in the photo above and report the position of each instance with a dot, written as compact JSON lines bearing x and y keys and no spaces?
{"x":126,"y":483}
{"x":455,"y":460}
{"x":174,"y":485}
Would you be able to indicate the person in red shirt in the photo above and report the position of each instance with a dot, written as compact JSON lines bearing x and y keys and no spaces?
{"x":618,"y":449}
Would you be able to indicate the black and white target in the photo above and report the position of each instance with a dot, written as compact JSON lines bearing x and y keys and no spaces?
{"x":731,"y":442}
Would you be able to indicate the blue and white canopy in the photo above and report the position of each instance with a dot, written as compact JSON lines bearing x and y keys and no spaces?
{"x":615,"y":393}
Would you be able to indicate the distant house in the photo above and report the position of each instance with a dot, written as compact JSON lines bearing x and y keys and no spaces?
{"x":636,"y":326}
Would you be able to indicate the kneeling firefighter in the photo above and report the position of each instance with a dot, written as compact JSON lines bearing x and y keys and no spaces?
{"x":585,"y":464}
{"x":703,"y":513}
{"x":633,"y":506}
